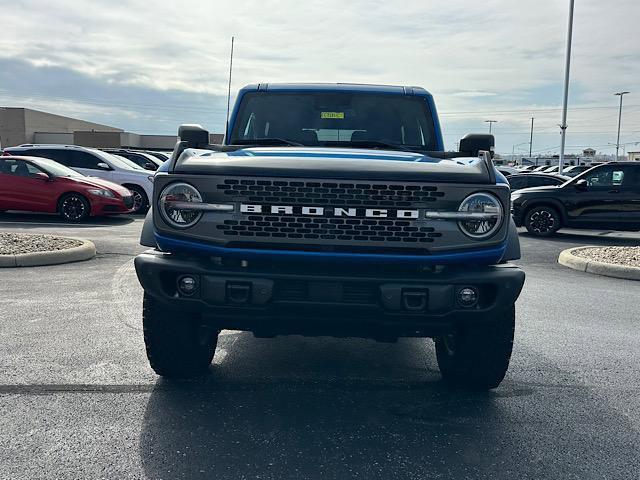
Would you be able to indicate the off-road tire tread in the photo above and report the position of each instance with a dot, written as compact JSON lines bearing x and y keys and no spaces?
{"x":482,"y":353}
{"x":173,"y":341}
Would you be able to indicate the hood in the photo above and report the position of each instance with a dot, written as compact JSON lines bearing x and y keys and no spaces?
{"x":534,"y":190}
{"x":314,"y":162}
{"x":100,"y":183}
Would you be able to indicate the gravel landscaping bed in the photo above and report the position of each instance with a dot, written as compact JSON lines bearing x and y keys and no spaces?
{"x":627,"y":256}
{"x":15,"y":244}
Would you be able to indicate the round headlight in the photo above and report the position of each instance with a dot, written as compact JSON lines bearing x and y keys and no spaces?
{"x":488,"y":211}
{"x":174,"y":205}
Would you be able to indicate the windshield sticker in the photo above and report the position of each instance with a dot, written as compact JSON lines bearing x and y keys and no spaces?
{"x":332,"y":115}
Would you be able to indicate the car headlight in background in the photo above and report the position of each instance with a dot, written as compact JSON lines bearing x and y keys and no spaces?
{"x":100,"y":192}
{"x":485,"y":215}
{"x":174,"y":205}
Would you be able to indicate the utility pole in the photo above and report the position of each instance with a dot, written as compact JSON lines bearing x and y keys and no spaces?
{"x":490,"y":122}
{"x":563,"y":125}
{"x":531,"y":138}
{"x":620,"y":94}
{"x":226,"y":127}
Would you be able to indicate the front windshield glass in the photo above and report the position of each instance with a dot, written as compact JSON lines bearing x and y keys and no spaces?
{"x":55,"y":168}
{"x":344,"y":119}
{"x":131,"y":163}
{"x":116,"y":161}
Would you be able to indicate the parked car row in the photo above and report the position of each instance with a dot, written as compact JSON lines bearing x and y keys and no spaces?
{"x":88,"y":162}
{"x":606,"y":196}
{"x":568,"y":171}
{"x":42,"y":185}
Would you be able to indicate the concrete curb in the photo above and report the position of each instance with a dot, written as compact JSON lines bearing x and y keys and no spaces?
{"x":82,"y":252}
{"x":568,"y":259}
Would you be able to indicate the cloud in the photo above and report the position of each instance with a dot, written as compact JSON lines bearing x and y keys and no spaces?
{"x":484,"y":57}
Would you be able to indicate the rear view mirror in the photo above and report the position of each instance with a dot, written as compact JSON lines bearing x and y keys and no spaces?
{"x":581,"y":185}
{"x":473,"y":143}
{"x":103,"y":166}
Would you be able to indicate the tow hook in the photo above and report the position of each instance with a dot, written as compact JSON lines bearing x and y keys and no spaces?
{"x":238,"y":293}
{"x":414,"y":300}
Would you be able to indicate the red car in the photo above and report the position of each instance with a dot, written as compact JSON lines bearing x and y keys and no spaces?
{"x":36,"y":184}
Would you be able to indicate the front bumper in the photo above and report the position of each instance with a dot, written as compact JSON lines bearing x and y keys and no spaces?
{"x":316,"y":300}
{"x":109,"y":206}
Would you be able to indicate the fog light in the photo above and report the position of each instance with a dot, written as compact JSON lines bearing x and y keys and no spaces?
{"x":467,"y":297}
{"x":187,"y":285}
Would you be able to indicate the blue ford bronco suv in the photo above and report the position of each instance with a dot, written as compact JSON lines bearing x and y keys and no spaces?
{"x":331,"y":209}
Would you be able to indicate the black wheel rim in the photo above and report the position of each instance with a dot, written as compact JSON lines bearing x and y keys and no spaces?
{"x":137,"y":201}
{"x":73,"y":208}
{"x":542,"y":221}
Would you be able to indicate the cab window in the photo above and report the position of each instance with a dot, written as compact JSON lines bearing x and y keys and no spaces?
{"x":19,"y":168}
{"x":605,"y":177}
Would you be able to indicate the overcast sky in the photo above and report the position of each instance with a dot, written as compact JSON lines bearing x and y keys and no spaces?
{"x":149,"y":66}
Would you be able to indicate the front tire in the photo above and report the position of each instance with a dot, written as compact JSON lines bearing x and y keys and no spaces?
{"x":177,"y":344}
{"x":542,"y":221}
{"x":74,"y":207}
{"x":140,"y":199}
{"x":477,"y":356}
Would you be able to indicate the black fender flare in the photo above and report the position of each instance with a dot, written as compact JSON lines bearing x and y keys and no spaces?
{"x":147,"y":237}
{"x":512,"y":251}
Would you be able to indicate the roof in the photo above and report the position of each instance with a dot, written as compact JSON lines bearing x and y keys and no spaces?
{"x":332,"y":87}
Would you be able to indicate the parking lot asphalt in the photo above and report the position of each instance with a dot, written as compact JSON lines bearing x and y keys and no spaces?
{"x":78,"y":399}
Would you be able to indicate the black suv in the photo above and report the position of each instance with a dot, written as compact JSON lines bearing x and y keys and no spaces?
{"x":604,"y":197}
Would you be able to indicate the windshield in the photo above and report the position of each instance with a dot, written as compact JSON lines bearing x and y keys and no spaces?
{"x":55,"y":168}
{"x":335,"y":119}
{"x":117,"y":161}
{"x":127,"y":161}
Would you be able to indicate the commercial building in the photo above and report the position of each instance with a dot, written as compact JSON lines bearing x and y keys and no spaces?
{"x":24,"y":125}
{"x":634,"y":156}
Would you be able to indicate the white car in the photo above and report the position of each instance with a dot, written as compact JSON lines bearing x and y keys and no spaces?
{"x":95,"y":163}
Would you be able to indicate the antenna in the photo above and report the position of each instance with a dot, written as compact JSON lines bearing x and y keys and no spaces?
{"x":226,"y":128}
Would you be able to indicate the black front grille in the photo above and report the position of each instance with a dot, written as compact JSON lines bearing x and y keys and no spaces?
{"x":314,"y":228}
{"x":374,"y":194}
{"x":128,"y":201}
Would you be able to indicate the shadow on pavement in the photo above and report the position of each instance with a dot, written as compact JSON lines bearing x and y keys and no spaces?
{"x":43,"y":218}
{"x":316,"y":408}
{"x":311,"y":411}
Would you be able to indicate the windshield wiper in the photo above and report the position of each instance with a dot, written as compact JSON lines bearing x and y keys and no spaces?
{"x":379,"y":144}
{"x":268,"y":141}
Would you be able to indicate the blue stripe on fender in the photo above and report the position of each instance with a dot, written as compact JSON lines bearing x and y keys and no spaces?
{"x":486,"y":256}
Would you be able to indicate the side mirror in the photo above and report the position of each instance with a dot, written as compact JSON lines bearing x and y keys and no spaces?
{"x":42,"y":176}
{"x":150,"y":166}
{"x":473,"y":143}
{"x":103,"y":166}
{"x":581,"y":185}
{"x":194,"y":135}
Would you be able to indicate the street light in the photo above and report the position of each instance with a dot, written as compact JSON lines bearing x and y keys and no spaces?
{"x":490,"y":122}
{"x":620,"y":94}
{"x":565,"y":97}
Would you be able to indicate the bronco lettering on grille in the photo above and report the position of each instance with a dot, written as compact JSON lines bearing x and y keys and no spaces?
{"x":326,"y":211}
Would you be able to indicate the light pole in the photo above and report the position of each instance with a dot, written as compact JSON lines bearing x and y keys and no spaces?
{"x":620,"y":94}
{"x":565,"y":100}
{"x":531,"y":138}
{"x":490,"y":122}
